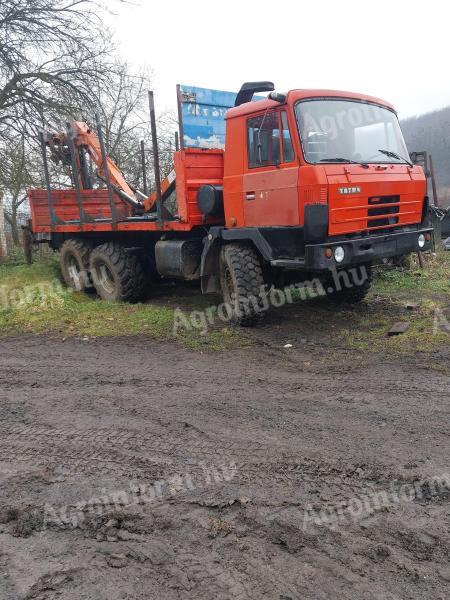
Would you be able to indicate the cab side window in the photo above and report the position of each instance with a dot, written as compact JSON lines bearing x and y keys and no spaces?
{"x":288,"y":149}
{"x":263,"y":134}
{"x":268,"y":136}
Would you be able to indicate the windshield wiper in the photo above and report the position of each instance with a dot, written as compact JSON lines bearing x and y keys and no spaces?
{"x":344,"y":160}
{"x":395,"y":155}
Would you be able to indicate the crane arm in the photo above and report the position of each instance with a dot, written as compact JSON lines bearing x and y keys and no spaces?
{"x":84,"y":138}
{"x":167,"y":185}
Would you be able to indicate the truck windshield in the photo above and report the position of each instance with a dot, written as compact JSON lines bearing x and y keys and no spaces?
{"x":349,"y":130}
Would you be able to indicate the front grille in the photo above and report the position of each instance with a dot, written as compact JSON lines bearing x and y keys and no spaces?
{"x":385,"y":213}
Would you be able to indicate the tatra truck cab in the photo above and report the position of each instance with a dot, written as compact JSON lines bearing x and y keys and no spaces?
{"x":307,"y":185}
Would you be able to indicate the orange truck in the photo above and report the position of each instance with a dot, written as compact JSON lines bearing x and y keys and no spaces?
{"x":290,"y":187}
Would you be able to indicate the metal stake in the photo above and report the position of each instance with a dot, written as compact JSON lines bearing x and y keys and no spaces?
{"x":433,"y":182}
{"x":76,"y":177}
{"x":180,"y":116}
{"x":114,"y":215}
{"x":86,"y":178}
{"x":144,"y":171}
{"x":54,"y":220}
{"x":151,"y":102}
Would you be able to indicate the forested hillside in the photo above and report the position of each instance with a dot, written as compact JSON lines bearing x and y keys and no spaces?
{"x":431,"y":132}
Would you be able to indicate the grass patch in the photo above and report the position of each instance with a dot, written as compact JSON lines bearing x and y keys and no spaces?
{"x":33,"y":300}
{"x":433,"y":279}
{"x":370,"y":334}
{"x":393,"y":289}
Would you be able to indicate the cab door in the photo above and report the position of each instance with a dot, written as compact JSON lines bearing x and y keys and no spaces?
{"x":270,"y":182}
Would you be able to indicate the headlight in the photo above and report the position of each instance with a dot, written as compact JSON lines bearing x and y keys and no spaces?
{"x":421,"y":240}
{"x":339,"y":254}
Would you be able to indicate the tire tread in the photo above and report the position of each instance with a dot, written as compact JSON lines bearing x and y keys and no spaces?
{"x":128,"y":270}
{"x":244,"y":263}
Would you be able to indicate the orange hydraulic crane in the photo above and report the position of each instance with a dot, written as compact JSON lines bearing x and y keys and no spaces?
{"x":69,"y":148}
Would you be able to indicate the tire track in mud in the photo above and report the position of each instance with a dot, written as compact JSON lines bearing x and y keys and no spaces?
{"x":119,"y":451}
{"x":82,"y":417}
{"x":129,"y":454}
{"x":127,"y":442}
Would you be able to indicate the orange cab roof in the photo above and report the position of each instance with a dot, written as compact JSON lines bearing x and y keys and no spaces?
{"x":293,"y":95}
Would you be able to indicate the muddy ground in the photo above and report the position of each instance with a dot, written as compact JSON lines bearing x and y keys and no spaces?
{"x":132,"y":469}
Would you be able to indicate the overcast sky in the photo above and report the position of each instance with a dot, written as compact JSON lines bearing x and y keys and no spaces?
{"x":396,"y":50}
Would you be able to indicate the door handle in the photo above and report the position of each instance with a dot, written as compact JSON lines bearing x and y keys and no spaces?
{"x":249,"y":195}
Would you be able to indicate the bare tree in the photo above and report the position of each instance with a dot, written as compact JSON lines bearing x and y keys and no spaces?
{"x":18,"y":172}
{"x":51,"y":54}
{"x":50,"y":51}
{"x":55,"y":67}
{"x":124,"y":113}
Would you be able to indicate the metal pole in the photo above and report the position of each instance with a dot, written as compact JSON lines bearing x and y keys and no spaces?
{"x":421,"y":261}
{"x":51,"y":208}
{"x":180,"y":116}
{"x":177,"y":141}
{"x":114,"y":216}
{"x":85,"y":175}
{"x":76,"y":177}
{"x":433,"y":183}
{"x":144,"y":171}
{"x":151,"y":102}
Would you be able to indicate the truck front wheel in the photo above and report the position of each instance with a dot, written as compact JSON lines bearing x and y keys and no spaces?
{"x":117,"y":275}
{"x":241,"y":280}
{"x":74,"y":260}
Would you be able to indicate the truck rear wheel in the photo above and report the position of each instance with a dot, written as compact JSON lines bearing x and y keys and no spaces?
{"x":241,"y":280}
{"x":117,"y":275}
{"x":74,"y":260}
{"x":349,"y":286}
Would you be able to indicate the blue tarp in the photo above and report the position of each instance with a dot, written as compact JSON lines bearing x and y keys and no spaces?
{"x":203,"y":113}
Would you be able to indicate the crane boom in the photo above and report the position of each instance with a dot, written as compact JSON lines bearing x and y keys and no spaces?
{"x":85,"y":139}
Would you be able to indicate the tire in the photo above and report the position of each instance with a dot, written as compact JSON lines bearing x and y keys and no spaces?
{"x":117,"y":275}
{"x":241,"y":281}
{"x":359,"y":279}
{"x":74,"y":260}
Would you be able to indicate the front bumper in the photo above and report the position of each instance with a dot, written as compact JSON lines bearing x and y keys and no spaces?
{"x":359,"y":250}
